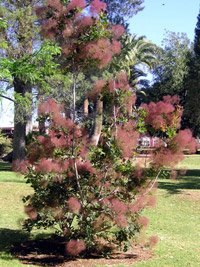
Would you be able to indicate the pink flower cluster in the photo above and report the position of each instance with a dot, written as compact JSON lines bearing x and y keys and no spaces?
{"x":75,"y":247}
{"x":118,"y":206}
{"x":174,"y":152}
{"x":121,"y":82}
{"x":163,"y":113}
{"x":97,"y":89}
{"x":74,"y":205}
{"x":138,"y":205}
{"x":102,"y":50}
{"x":185,"y":140}
{"x":165,"y":116}
{"x":85,"y":166}
{"x":112,"y":85}
{"x":31,"y":212}
{"x":117,"y":31}
{"x":129,"y":102}
{"x":143,"y":221}
{"x":165,"y":156}
{"x":97,"y":7}
{"x":75,"y":4}
{"x":49,"y":106}
{"x":49,"y":165}
{"x":66,"y":26}
{"x":126,"y":134}
{"x":120,"y":210}
{"x":20,"y":166}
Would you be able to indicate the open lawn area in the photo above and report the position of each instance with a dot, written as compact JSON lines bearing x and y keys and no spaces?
{"x":175,"y":220}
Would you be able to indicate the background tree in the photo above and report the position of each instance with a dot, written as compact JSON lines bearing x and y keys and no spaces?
{"x":197,"y":37}
{"x":18,"y":35}
{"x":23,"y":64}
{"x":191,"y":114}
{"x":173,"y":66}
{"x":120,"y":11}
{"x":136,"y":53}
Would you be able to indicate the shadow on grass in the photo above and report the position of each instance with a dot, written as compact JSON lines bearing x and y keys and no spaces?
{"x":190,"y":181}
{"x":17,"y":244}
{"x":42,"y":252}
{"x":52,"y":252}
{"x":5,"y":166}
{"x":47,"y":251}
{"x":9,"y":237}
{"x":17,"y":180}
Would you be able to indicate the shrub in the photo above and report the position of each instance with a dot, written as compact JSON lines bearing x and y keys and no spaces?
{"x":5,"y":145}
{"x":87,"y":193}
{"x":91,"y":195}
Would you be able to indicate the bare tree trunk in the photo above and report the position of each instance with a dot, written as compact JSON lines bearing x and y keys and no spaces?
{"x":29,"y":124}
{"x":98,"y":122}
{"x":29,"y":116}
{"x":67,"y":111}
{"x":19,"y":141}
{"x":130,"y":111}
{"x":85,"y":107}
{"x":20,"y":121}
{"x":41,"y":126}
{"x":41,"y":121}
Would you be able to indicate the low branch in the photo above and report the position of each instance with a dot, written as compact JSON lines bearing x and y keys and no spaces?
{"x":8,"y":98}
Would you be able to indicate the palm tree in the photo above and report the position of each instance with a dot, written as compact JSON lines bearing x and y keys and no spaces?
{"x":137,"y":53}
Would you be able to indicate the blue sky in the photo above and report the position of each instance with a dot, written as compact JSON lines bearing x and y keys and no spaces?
{"x":172,"y":15}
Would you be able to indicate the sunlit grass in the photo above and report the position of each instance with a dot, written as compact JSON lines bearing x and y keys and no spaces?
{"x":176,"y":219}
{"x":176,"y":222}
{"x":190,"y":162}
{"x":12,"y":189}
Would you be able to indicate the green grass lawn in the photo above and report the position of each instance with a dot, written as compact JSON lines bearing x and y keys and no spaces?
{"x":190,"y":162}
{"x":175,"y":220}
{"x":12,"y":188}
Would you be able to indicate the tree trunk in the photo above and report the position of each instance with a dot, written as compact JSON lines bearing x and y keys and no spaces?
{"x":85,"y":107}
{"x":29,"y":124}
{"x":98,"y":122}
{"x":41,"y":126}
{"x":20,"y":121}
{"x":67,"y":111}
{"x":130,"y":111}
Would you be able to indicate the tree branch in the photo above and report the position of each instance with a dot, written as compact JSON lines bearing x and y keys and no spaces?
{"x":8,"y":98}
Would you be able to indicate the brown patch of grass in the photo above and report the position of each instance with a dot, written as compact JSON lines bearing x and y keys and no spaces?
{"x":190,"y":195}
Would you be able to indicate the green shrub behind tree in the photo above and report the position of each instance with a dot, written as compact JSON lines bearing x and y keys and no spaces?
{"x":5,"y":145}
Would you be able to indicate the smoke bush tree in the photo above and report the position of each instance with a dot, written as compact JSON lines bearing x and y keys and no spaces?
{"x":93,"y":195}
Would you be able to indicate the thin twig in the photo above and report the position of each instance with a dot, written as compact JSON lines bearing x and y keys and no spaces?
{"x":155,"y":180}
{"x":78,"y":182}
{"x":73,"y":143}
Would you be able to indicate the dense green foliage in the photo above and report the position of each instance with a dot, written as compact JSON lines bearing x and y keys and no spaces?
{"x":192,"y":86}
{"x":5,"y":145}
{"x":173,"y":66}
{"x":177,"y":72}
